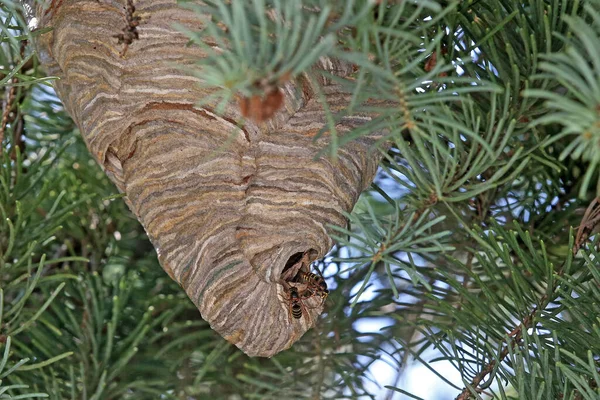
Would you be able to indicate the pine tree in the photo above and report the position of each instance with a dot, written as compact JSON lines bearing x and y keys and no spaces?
{"x":477,"y":241}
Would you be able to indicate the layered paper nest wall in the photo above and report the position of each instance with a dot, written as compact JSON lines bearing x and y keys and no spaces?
{"x":227,"y":208}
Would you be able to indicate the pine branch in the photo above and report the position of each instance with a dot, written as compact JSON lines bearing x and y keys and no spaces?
{"x":466,"y":163}
{"x":11,"y":100}
{"x":515,"y":336}
{"x":588,"y":222}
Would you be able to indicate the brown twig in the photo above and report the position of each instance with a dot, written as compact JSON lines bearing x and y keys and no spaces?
{"x":11,"y":100}
{"x":590,"y":220}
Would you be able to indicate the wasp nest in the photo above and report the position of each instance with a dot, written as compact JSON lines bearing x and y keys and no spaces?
{"x":235,"y":213}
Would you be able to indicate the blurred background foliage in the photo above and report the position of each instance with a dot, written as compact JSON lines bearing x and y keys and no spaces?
{"x":476,"y":248}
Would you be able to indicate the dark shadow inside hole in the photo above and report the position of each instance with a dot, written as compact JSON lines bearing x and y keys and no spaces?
{"x":296,"y":263}
{"x":292,"y":261}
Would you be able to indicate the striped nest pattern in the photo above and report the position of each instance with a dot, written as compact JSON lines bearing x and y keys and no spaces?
{"x":226,"y":207}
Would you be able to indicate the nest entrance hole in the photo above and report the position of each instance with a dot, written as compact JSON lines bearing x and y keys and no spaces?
{"x":298,"y":262}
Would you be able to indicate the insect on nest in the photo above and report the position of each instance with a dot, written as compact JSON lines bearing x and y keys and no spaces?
{"x":304,"y":289}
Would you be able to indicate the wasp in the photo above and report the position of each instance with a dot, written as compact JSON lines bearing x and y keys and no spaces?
{"x":296,"y":305}
{"x":315,"y":285}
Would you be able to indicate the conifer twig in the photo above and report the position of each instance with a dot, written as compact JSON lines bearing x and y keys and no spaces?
{"x":10,"y":101}
{"x":10,"y":98}
{"x":516,"y":334}
{"x":589,"y":220}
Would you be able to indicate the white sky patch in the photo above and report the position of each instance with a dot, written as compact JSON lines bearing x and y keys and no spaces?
{"x":421,"y":381}
{"x":33,"y":23}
